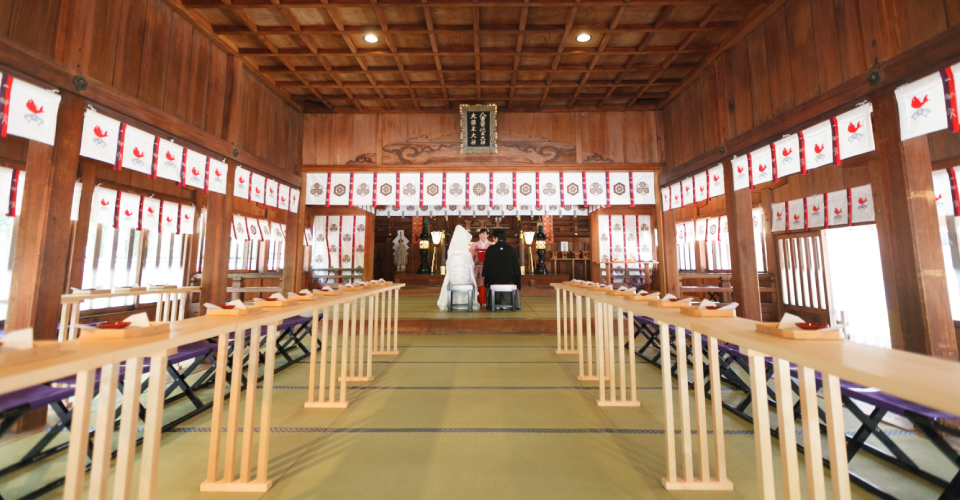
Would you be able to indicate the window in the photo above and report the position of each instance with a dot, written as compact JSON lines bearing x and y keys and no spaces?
{"x":8,"y":230}
{"x":164,"y":261}
{"x":857,"y":298}
{"x":111,"y":260}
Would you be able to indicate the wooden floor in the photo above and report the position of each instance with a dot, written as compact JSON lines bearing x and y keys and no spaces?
{"x":464,"y":416}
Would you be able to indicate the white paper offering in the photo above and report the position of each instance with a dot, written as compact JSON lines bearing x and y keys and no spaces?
{"x":305,"y":292}
{"x":211,"y":306}
{"x":622,"y":289}
{"x":654,"y":294}
{"x":688,"y":299}
{"x":139,"y":320}
{"x":732,"y":305}
{"x":789,"y":321}
{"x":237,"y":304}
{"x":706,"y":303}
{"x":668,"y":297}
{"x":278,"y":296}
{"x":18,"y":339}
{"x":327,"y":289}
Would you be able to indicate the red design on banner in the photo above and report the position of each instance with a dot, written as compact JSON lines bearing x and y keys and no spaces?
{"x":631,"y":196}
{"x":750,"y":169}
{"x":624,"y":226}
{"x":353,"y":244}
{"x":786,"y":207}
{"x":339,"y":240}
{"x":156,"y":157}
{"x":140,"y":216}
{"x":466,"y":190}
{"x":116,"y":212}
{"x":584,"y":175}
{"x":32,"y":106}
{"x":835,"y":131}
{"x":183,"y":175}
{"x":118,"y":165}
{"x":397,"y":191}
{"x":491,"y":188}
{"x":773,"y":159}
{"x":803,"y":156}
{"x":515,"y":190}
{"x":538,"y":191}
{"x":374,"y":190}
{"x":950,"y":92}
{"x":849,"y":209}
{"x":915,"y":103}
{"x":329,"y":182}
{"x":610,"y":232}
{"x":563,"y":187}
{"x":206,"y":176}
{"x":14,"y":193}
{"x":7,"y":81}
{"x":445,"y":189}
{"x":954,"y":191}
{"x":350,"y":201}
{"x":547,"y":221}
{"x":806,"y":221}
{"x":421,"y":192}
{"x":608,"y":187}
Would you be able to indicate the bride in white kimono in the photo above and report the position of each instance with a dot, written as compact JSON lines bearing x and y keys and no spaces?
{"x":459,"y":270}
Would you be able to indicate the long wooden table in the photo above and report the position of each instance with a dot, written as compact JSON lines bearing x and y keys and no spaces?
{"x":920,"y":379}
{"x":100,"y":362}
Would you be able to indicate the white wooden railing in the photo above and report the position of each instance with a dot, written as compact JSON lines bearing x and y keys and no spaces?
{"x":83,"y":358}
{"x":919,"y":379}
{"x":171,"y":306}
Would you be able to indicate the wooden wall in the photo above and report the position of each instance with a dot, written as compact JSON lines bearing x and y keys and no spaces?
{"x":146,"y":50}
{"x":803,"y":50}
{"x":523,"y":139}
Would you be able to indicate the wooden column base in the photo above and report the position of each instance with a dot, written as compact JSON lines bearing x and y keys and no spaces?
{"x":327,"y":405}
{"x":568,"y":351}
{"x":635,"y":404}
{"x":358,"y":379}
{"x":222,"y":487}
{"x":696,"y":485}
{"x":591,"y":378}
{"x":385,"y":353}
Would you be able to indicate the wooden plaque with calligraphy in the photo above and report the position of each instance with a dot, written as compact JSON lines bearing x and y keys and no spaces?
{"x":478,"y":129}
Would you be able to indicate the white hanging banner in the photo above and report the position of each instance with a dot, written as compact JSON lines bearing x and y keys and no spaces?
{"x":136,"y":150}
{"x":837,"y":205}
{"x":363,"y":189}
{"x":456,"y":192}
{"x":701,"y":229}
{"x":217,"y":177}
{"x":359,"y":240}
{"x":713,"y":229}
{"x":787,"y":156}
{"x":294,"y":200}
{"x":700,"y":186}
{"x":643,"y":193}
{"x":666,"y":203}
{"x":943,"y":192}
{"x":75,"y":206}
{"x":283,"y":197}
{"x":761,"y":165}
{"x":597,"y":189}
{"x":502,"y":189}
{"x":855,"y":131}
{"x":100,"y":137}
{"x":279,"y":231}
{"x":266,"y":233}
{"x":241,"y":184}
{"x":187,"y":215}
{"x":128,"y":211}
{"x":527,"y":190}
{"x":619,"y":188}
{"x":240,"y":228}
{"x":28,"y":111}
{"x":861,"y":201}
{"x":253,"y":229}
{"x":676,"y":196}
{"x":778,"y":217}
{"x":169,"y":217}
{"x":724,"y":233}
{"x":681,"y":234}
{"x":619,"y":238}
{"x":150,"y":214}
{"x":922,"y":106}
{"x":686,"y":191}
{"x":715,"y":174}
{"x":604,"y":227}
{"x":410,"y":189}
{"x":196,"y":171}
{"x":339,"y":190}
{"x":316,"y":187}
{"x":348,"y":242}
{"x":550,"y":189}
{"x":572,"y":189}
{"x":272,"y":188}
{"x":433,"y":189}
{"x":320,"y":257}
{"x":815,"y":211}
{"x":741,"y":172}
{"x":646,"y":238}
{"x":11,"y":191}
{"x":817,"y":145}
{"x":798,"y":216}
{"x":257,"y":188}
{"x":758,"y":224}
{"x":104,"y":206}
{"x":168,"y":163}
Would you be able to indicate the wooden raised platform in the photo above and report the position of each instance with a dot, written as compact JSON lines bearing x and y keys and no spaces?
{"x":501,"y":324}
{"x":437,"y":279}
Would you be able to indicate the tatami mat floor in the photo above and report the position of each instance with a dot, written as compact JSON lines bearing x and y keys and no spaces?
{"x":426,"y":308}
{"x":464,"y":417}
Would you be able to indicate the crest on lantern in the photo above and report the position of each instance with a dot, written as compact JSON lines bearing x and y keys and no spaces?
{"x":478,"y":129}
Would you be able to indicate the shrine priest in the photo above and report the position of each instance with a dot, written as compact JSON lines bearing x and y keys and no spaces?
{"x":502,"y":266}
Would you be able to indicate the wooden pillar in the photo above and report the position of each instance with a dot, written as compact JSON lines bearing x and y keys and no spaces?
{"x":78,"y":250}
{"x":913,"y":270}
{"x":743,"y":256}
{"x":43,"y":239}
{"x":293,"y":252}
{"x":216,"y":246}
{"x":667,"y":254}
{"x":773,"y":260}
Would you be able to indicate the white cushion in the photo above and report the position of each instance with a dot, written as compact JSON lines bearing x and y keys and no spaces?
{"x":460,"y":288}
{"x":503,"y":288}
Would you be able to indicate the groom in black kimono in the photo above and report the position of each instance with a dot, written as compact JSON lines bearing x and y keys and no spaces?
{"x":502,"y":266}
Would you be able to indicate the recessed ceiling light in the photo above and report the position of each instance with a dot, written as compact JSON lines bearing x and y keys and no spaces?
{"x":583,"y":37}
{"x":371,"y":38}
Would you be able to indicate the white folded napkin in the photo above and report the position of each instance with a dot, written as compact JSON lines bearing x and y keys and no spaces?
{"x":18,"y":339}
{"x":278,"y":296}
{"x":653,"y":295}
{"x":211,"y":306}
{"x":139,"y":320}
{"x":789,"y":321}
{"x":305,"y":292}
{"x":688,"y":299}
{"x":706,"y":303}
{"x":622,"y":289}
{"x":732,"y":305}
{"x":667,"y":297}
{"x":293,"y":294}
{"x":237,"y":304}
{"x":381,"y":279}
{"x":327,"y":289}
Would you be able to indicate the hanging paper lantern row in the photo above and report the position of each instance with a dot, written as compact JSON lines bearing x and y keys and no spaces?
{"x":839,"y":208}
{"x":256,"y":188}
{"x":481,"y":210}
{"x":475,"y":189}
{"x":127,"y":147}
{"x":122,"y":210}
{"x":27,"y":111}
{"x":700,"y":187}
{"x":929,"y":104}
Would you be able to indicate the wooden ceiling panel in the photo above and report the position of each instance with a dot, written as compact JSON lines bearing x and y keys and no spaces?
{"x":438,"y":53}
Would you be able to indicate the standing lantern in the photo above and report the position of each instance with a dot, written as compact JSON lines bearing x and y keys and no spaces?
{"x":541,"y":244}
{"x":436,"y":237}
{"x":528,"y":241}
{"x":424,"y":249}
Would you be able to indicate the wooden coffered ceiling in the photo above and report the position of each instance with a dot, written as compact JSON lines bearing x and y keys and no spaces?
{"x":433,"y":55}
